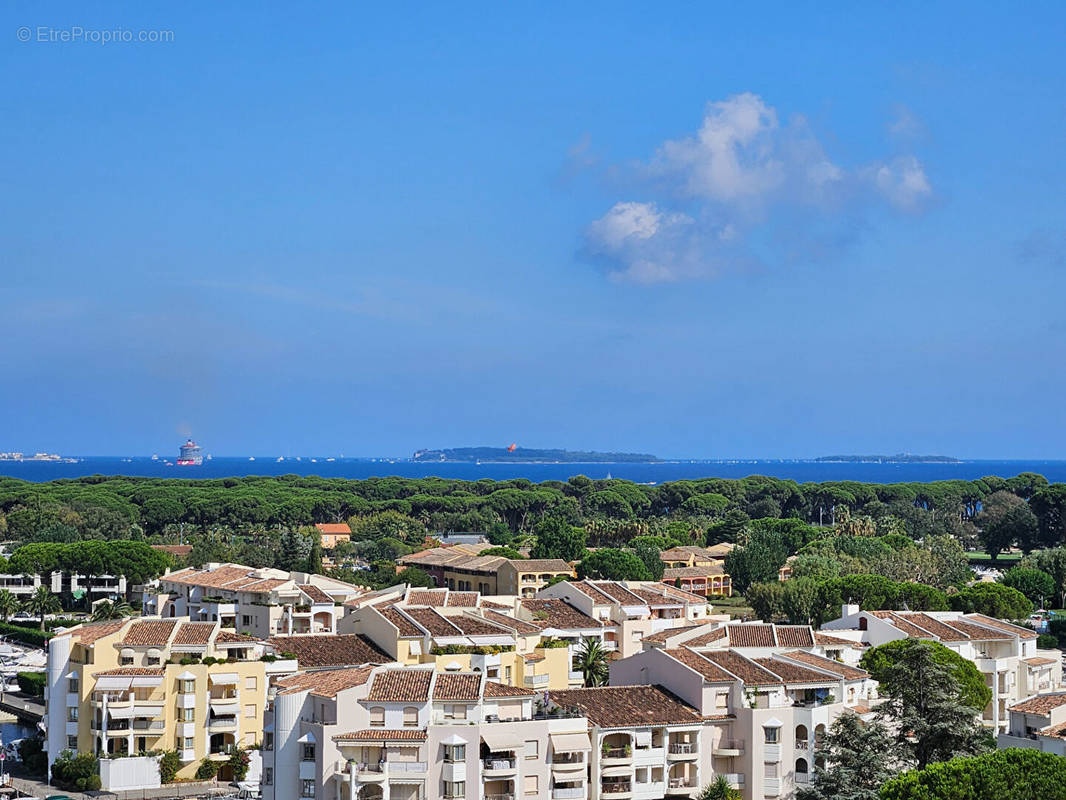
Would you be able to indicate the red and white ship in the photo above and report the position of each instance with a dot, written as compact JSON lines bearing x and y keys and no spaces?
{"x":189,"y":455}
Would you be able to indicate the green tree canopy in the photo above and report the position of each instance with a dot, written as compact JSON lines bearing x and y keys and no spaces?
{"x":1035,"y":584}
{"x":612,"y":564}
{"x":1011,"y":774}
{"x":993,"y":600}
{"x":972,"y":690}
{"x":852,"y":762}
{"x":557,"y":538}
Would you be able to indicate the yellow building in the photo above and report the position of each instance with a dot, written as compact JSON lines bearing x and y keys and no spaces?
{"x":130,"y":686}
{"x":525,"y":577}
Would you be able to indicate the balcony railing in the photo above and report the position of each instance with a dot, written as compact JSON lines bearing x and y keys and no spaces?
{"x":570,"y":793}
{"x":568,"y":758}
{"x":618,"y":787}
{"x":376,"y":767}
{"x":499,"y":763}
{"x":407,"y":766}
{"x":734,"y":778}
{"x":681,"y":783}
{"x":149,"y":725}
{"x":617,"y":752}
{"x":537,"y":680}
{"x":803,"y":777}
{"x":499,"y":797}
{"x":683,"y":748}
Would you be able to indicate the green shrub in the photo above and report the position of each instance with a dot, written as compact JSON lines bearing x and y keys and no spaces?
{"x":1016,"y":773}
{"x":207,"y":770}
{"x":1047,"y":641}
{"x":30,"y":636}
{"x":31,"y":683}
{"x":77,"y":771}
{"x":169,"y":765}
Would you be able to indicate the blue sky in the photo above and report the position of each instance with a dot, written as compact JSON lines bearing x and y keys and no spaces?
{"x":694,"y":230}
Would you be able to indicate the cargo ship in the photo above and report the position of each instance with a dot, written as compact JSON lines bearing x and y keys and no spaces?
{"x":189,"y":455}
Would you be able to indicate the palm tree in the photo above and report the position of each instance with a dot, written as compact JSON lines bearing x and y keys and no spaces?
{"x":112,"y":610}
{"x":718,"y":789}
{"x":42,"y":602}
{"x":9,"y":604}
{"x":592,"y":662}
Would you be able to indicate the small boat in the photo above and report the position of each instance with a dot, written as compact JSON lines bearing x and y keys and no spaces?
{"x":251,"y":458}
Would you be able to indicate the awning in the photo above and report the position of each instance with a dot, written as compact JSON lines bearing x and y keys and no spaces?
{"x":223,"y":678}
{"x":307,"y":738}
{"x":127,"y":652}
{"x":414,"y":647}
{"x":616,"y":772}
{"x":773,"y":722}
{"x":453,"y":739}
{"x":500,"y":737}
{"x":154,"y":652}
{"x":120,"y":712}
{"x":112,"y":682}
{"x":186,"y":676}
{"x":643,"y":738}
{"x":570,"y":742}
{"x":147,"y":681}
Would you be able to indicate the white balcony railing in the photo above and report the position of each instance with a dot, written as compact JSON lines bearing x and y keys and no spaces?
{"x":573,"y":793}
{"x":683,"y":748}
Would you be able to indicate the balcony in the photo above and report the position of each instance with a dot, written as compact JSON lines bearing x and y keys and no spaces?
{"x":499,"y":766}
{"x":407,"y":767}
{"x":576,"y":677}
{"x":149,"y":725}
{"x":803,"y":777}
{"x":537,"y":681}
{"x":499,"y":797}
{"x":222,"y":723}
{"x":734,"y":779}
{"x":570,"y":793}
{"x":771,"y":752}
{"x":771,"y":787}
{"x":614,"y":755}
{"x":616,"y":789}
{"x":683,"y":751}
{"x":681,"y":786}
{"x":727,"y":748}
{"x":367,"y":773}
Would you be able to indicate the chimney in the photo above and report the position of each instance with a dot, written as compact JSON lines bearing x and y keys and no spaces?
{"x":849,"y":609}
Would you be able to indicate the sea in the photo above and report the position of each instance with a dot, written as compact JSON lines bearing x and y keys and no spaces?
{"x":646,"y":473}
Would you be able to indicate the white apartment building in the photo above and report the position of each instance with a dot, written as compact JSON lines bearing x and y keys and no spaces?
{"x":258,"y":602}
{"x":411,"y":733}
{"x":1005,"y":654}
{"x":1039,"y":723}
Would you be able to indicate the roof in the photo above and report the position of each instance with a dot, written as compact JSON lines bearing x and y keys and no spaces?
{"x":382,"y":734}
{"x":334,"y":527}
{"x":627,"y":706}
{"x":496,"y":689}
{"x":426,"y":597}
{"x":618,"y":593}
{"x":555,"y":613}
{"x":828,"y":664}
{"x":462,"y":599}
{"x":706,"y":638}
{"x":133,"y":672}
{"x":682,"y":553}
{"x":330,"y":650}
{"x":473,"y":625}
{"x":402,"y":623}
{"x":225,"y":637}
{"x":707,"y":571}
{"x":401,"y":686}
{"x":433,"y":622}
{"x":326,"y":682}
{"x":195,"y":633}
{"x":758,"y":634}
{"x":1040,"y":704}
{"x":316,"y":594}
{"x":179,"y":550}
{"x":457,"y":686}
{"x":541,"y":565}
{"x":1038,"y":661}
{"x":149,"y":633}
{"x":1000,"y":625}
{"x":744,"y":668}
{"x":794,"y":673}
{"x":794,"y":635}
{"x":660,"y":637}
{"x":518,"y":625}
{"x":87,"y":634}
{"x":710,"y":671}
{"x":825,"y":639}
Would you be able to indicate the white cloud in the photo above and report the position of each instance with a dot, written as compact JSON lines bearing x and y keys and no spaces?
{"x":708,"y":194}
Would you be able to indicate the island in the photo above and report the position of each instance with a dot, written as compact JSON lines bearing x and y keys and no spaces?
{"x":899,"y":458}
{"x":529,"y":455}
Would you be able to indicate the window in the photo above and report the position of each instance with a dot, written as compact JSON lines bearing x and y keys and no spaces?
{"x":454,"y":753}
{"x":190,"y":742}
{"x":772,"y":735}
{"x":246,"y":620}
{"x":72,"y":685}
{"x":268,"y":741}
{"x":308,"y":789}
{"x":309,"y":752}
{"x":249,"y":739}
{"x":125,"y":661}
{"x":410,"y":717}
{"x":455,"y":712}
{"x":507,"y":674}
{"x":186,"y":715}
{"x":151,"y":661}
{"x":530,"y":784}
{"x":72,"y":743}
{"x":251,"y":711}
{"x":268,"y":776}
{"x":455,"y":788}
{"x":72,"y":714}
{"x":250,"y":682}
{"x":377,"y":717}
{"x":770,"y":770}
{"x":187,"y":686}
{"x":531,"y":748}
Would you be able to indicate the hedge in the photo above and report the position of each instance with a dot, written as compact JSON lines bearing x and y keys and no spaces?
{"x":31,"y":683}
{"x":30,"y":636}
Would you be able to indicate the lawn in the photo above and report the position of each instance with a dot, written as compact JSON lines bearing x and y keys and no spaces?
{"x":736,"y":606}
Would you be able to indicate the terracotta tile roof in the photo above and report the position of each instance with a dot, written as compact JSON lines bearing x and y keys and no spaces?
{"x":541,"y":565}
{"x":758,"y":634}
{"x":555,"y":613}
{"x":794,"y":673}
{"x":316,"y":594}
{"x":194,"y":633}
{"x":401,"y":686}
{"x":493,"y":604}
{"x":502,"y":619}
{"x":1039,"y":661}
{"x":998,"y":624}
{"x":589,"y":589}
{"x":828,"y":664}
{"x":825,"y":639}
{"x":660,"y":637}
{"x":462,"y":599}
{"x":909,"y":628}
{"x":457,"y":686}
{"x":619,"y":593}
{"x":427,"y":597}
{"x":263,"y":585}
{"x":495,"y":689}
{"x":477,"y":626}
{"x":705,"y":639}
{"x":627,"y":706}
{"x":89,"y":633}
{"x":710,"y":671}
{"x":330,"y":650}
{"x":225,"y":637}
{"x":708,"y":571}
{"x":744,"y":668}
{"x":534,"y":657}
{"x":326,"y":682}
{"x":684,"y":596}
{"x":794,"y":636}
{"x":133,"y":671}
{"x":1040,"y":704}
{"x":152,"y":633}
{"x":382,"y":734}
{"x":333,"y":527}
{"x":402,"y":623}
{"x":218,"y":578}
{"x":433,"y":622}
{"x":654,"y":598}
{"x":179,"y":550}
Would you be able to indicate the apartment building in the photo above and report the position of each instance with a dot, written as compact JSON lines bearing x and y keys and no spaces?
{"x":754,"y":719}
{"x":692,"y":556}
{"x":526,"y":577}
{"x":1005,"y":654}
{"x":101,"y":587}
{"x":412,"y":733}
{"x":709,"y":580}
{"x":258,"y":602}
{"x":121,"y":687}
{"x":1039,"y":723}
{"x":333,"y":533}
{"x":461,"y":567}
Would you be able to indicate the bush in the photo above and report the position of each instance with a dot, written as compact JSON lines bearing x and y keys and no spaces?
{"x":30,"y":636}
{"x":76,"y":771}
{"x":169,"y":765}
{"x":207,"y":770}
{"x":238,"y":762}
{"x":31,"y":683}
{"x":34,"y":758}
{"x":993,"y":600}
{"x":1020,"y":774}
{"x":1047,"y":641}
